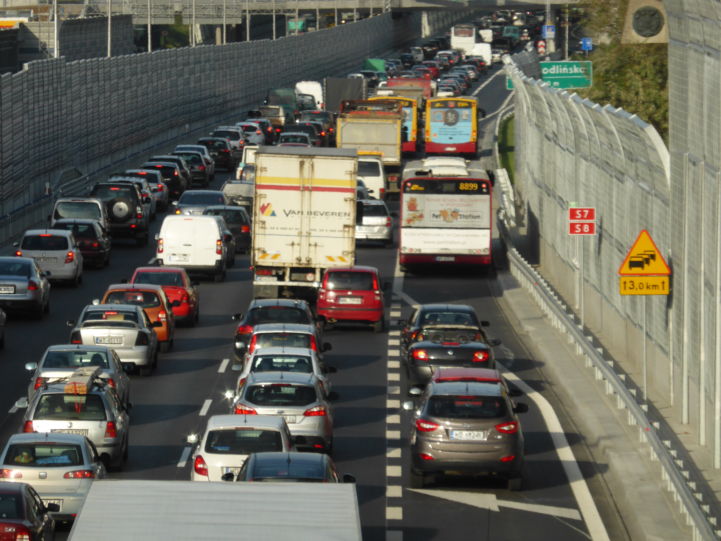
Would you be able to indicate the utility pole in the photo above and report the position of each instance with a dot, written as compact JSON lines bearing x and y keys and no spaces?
{"x":110,"y":27}
{"x":565,"y":40}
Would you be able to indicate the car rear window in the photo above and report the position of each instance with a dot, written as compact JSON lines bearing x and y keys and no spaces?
{"x":108,"y":193}
{"x":81,"y":407}
{"x":466,"y":407}
{"x":52,"y":455}
{"x":216,"y":145}
{"x":10,"y":506}
{"x":232,"y":135}
{"x":356,"y":281}
{"x":44,"y":242}
{"x":231,"y":216}
{"x":375,"y":210}
{"x":281,"y":394}
{"x":110,"y":315}
{"x":447,"y":318}
{"x":287,"y":138}
{"x":159,"y":278}
{"x":189,"y":198}
{"x":74,"y":359}
{"x":460,"y":336}
{"x":195,"y":159}
{"x":243,"y":441}
{"x":81,"y":231}
{"x":371,"y":168}
{"x":307,"y":473}
{"x":15,"y":268}
{"x":282,"y":339}
{"x":277,"y":314}
{"x":282,"y":363}
{"x":146,"y":299}
{"x":77,"y":209}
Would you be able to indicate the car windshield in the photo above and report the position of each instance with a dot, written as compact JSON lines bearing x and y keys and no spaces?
{"x":467,"y":407}
{"x":81,"y":231}
{"x":290,"y":138}
{"x":81,"y":407}
{"x":228,"y":134}
{"x":110,"y":315}
{"x":243,"y":441}
{"x":216,"y":145}
{"x":190,"y":198}
{"x":11,"y":506}
{"x":281,"y":394}
{"x":44,"y":242}
{"x":277,"y":314}
{"x":282,"y":339}
{"x":356,"y":281}
{"x":282,"y":363}
{"x":77,"y":209}
{"x":108,"y":193}
{"x":15,"y":268}
{"x":371,"y":168}
{"x":447,"y":318}
{"x":50,"y":455}
{"x":146,"y":299}
{"x":74,"y":359}
{"x":159,"y":278}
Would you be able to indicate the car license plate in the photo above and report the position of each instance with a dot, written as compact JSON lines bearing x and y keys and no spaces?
{"x":350,"y":300}
{"x":233,"y":470}
{"x":7,"y":289}
{"x":469,"y":435}
{"x":178,"y":258}
{"x":290,"y":419}
{"x":445,"y":258}
{"x":258,"y":278}
{"x":109,"y":340}
{"x":81,"y":431}
{"x":58,"y":502}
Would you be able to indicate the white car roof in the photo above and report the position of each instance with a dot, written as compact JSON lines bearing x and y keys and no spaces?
{"x":231,"y":421}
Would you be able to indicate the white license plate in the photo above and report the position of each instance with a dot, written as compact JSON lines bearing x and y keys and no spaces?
{"x":232,"y":470}
{"x":178,"y":258}
{"x":469,"y":435}
{"x":445,"y":258}
{"x":290,"y":419}
{"x":265,"y":278}
{"x":350,"y":300}
{"x":7,"y":289}
{"x":109,"y":340}
{"x":81,"y":431}
{"x":59,"y":502}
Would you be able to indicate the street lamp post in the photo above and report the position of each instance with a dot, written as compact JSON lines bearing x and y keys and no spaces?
{"x":56,"y":51}
{"x":150,"y":27}
{"x":224,"y":23}
{"x":110,"y":27}
{"x":192,"y":27}
{"x":247,"y":21}
{"x":273,"y":19}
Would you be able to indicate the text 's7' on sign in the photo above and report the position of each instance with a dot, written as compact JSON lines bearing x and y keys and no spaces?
{"x":582,"y":213}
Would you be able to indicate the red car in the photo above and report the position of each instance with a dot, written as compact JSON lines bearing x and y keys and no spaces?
{"x":177,"y":286}
{"x":352,"y":294}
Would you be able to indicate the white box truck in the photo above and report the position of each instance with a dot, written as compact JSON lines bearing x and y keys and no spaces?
{"x":371,"y":126}
{"x":123,"y":510}
{"x":303,"y":218}
{"x":483,"y":50}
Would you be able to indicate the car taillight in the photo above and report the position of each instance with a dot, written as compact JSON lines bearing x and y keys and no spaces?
{"x":79,"y":474}
{"x":509,"y":458}
{"x":201,"y":168}
{"x":175,"y":173}
{"x":38,"y":383}
{"x":508,"y":428}
{"x":245,"y":229}
{"x":28,"y":427}
{"x":200,"y":467}
{"x":426,"y":426}
{"x":18,"y":253}
{"x":313,"y":343}
{"x":159,"y":248}
{"x":142,"y":339}
{"x":69,"y":257}
{"x":420,"y":355}
{"x":414,"y":335}
{"x":139,"y":213}
{"x":258,"y":132}
{"x":425,"y":456}
{"x":480,"y":356}
{"x":318,"y":411}
{"x":244,"y":410}
{"x":389,"y":221}
{"x":10,"y":474}
{"x":244,"y":329}
{"x":253,"y":341}
{"x":264,"y":272}
{"x":110,"y":382}
{"x":219,"y":247}
{"x":16,"y":532}
{"x":163,"y":316}
{"x":110,"y":430}
{"x":225,"y":150}
{"x":161,"y":187}
{"x":76,"y":338}
{"x":184,"y":298}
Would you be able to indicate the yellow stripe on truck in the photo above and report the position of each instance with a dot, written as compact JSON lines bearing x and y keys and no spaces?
{"x":293,"y":181}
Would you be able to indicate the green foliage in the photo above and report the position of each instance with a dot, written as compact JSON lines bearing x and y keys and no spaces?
{"x":633,"y":77}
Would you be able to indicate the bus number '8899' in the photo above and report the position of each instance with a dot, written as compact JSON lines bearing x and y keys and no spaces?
{"x":468,"y":186}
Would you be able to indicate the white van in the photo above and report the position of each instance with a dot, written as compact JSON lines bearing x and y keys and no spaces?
{"x":370,"y":169}
{"x":194,"y":243}
{"x":417,"y":53}
{"x":314,"y":88}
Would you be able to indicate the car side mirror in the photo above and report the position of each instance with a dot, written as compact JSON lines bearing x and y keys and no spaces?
{"x":326,"y":347}
{"x":329,"y":370}
{"x":230,"y":476}
{"x":191,"y":439}
{"x":236,"y":317}
{"x":45,"y":274}
{"x":348,"y":478}
{"x":494,"y":342}
{"x":70,"y":323}
{"x":52,"y":507}
{"x":521,"y":407}
{"x":173,"y":203}
{"x":22,"y":402}
{"x":236,"y":367}
{"x":95,"y":302}
{"x":157,"y":236}
{"x":31,"y":367}
{"x":16,"y":244}
{"x":415,"y":391}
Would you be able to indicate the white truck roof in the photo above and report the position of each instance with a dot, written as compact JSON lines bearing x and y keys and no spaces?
{"x":186,"y":510}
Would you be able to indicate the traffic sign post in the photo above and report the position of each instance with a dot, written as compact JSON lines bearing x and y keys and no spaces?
{"x":581,"y":221}
{"x":644,"y":272}
{"x":573,"y":74}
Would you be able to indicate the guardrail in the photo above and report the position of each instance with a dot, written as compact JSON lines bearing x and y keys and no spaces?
{"x":677,"y":479}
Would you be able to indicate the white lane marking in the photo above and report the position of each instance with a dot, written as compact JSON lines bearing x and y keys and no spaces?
{"x":394,"y":389}
{"x":477,"y":90}
{"x":394,"y":376}
{"x":393,"y":434}
{"x":490,"y":502}
{"x":393,"y":452}
{"x":393,"y":404}
{"x":394,"y":419}
{"x":394,"y":491}
{"x":205,"y":408}
{"x":394,"y":471}
{"x":394,"y":365}
{"x":394,"y":513}
{"x":394,"y":352}
{"x":407,"y":299}
{"x":223,"y":366}
{"x":394,"y":333}
{"x":394,"y":342}
{"x":184,"y":457}
{"x":565,"y":455}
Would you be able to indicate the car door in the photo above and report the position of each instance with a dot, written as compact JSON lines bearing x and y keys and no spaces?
{"x":42,"y":524}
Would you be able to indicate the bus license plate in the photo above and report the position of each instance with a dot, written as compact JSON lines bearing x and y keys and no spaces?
{"x":445,"y":258}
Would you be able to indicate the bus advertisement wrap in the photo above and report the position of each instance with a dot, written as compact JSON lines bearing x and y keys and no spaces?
{"x":447,"y":211}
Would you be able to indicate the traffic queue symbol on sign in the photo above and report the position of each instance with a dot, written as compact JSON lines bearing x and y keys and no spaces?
{"x":644,"y":259}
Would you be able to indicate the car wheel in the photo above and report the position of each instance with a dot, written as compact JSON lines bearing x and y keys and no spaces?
{"x":515,"y":483}
{"x":231,"y":263}
{"x":46,"y":308}
{"x":125,"y":450}
{"x":196,"y":317}
{"x":417,"y":480}
{"x":380,"y":325}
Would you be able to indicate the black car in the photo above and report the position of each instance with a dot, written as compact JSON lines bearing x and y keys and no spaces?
{"x":183,"y":166}
{"x":23,"y":515}
{"x":125,"y":209}
{"x":176,"y":183}
{"x":238,"y":222}
{"x":199,"y":173}
{"x":407,"y":60}
{"x":452,"y":346}
{"x":93,"y":241}
{"x":271,"y":311}
{"x":221,"y":151}
{"x":292,"y":467}
{"x":440,"y":314}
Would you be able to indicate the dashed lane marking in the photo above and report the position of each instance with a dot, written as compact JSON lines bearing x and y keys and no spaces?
{"x":223,"y":366}
{"x":205,"y":408}
{"x":394,"y":513}
{"x":393,"y":419}
{"x":184,"y":457}
{"x":394,"y":491}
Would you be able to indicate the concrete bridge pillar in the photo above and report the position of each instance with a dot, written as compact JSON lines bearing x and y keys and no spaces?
{"x":425,"y":26}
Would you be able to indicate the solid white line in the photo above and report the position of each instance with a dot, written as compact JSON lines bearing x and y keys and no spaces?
{"x":477,"y":90}
{"x":184,"y":457}
{"x":205,"y":408}
{"x":223,"y":366}
{"x":576,"y":481}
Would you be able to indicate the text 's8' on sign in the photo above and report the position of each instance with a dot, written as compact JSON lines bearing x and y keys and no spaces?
{"x":582,"y":228}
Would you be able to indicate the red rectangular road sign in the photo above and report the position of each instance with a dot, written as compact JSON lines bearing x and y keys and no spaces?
{"x":582,"y":228}
{"x":582,"y":213}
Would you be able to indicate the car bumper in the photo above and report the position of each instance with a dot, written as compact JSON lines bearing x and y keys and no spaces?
{"x":94,"y":256}
{"x":70,"y":503}
{"x":198,"y":269}
{"x":351,"y":314}
{"x":27,"y":304}
{"x":127,"y":230}
{"x":472,"y":462}
{"x":138,"y":356}
{"x":373,"y":233}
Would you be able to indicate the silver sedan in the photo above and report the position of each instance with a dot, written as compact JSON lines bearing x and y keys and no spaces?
{"x":23,"y":286}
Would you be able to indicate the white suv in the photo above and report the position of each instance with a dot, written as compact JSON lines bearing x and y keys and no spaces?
{"x":55,"y":251}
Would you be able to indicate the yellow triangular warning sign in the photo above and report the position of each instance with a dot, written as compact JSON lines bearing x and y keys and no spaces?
{"x":644,"y":259}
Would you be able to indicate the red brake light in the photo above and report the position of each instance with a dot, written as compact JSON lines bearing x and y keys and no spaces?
{"x":28,"y":427}
{"x":318,"y":411}
{"x":200,"y":467}
{"x":161,"y":186}
{"x":264,"y":272}
{"x":509,"y":458}
{"x":240,"y":409}
{"x":258,"y":132}
{"x":32,"y":285}
{"x":80,"y":474}
{"x":110,"y":430}
{"x":389,"y":220}
{"x":480,"y":356}
{"x":219,"y":247}
{"x":425,"y":456}
{"x":18,"y":253}
{"x":75,"y":338}
{"x":426,"y":426}
{"x":420,"y":355}
{"x":313,"y":343}
{"x":38,"y":383}
{"x":253,"y":341}
{"x":244,"y":329}
{"x":245,"y":229}
{"x":69,"y":257}
{"x":10,"y":474}
{"x":159,"y":249}
{"x":110,"y":382}
{"x":142,"y":339}
{"x":510,"y":427}
{"x":114,"y":189}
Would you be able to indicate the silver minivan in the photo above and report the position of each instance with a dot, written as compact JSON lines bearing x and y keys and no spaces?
{"x":80,"y":207}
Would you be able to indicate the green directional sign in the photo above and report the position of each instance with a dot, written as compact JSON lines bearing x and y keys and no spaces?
{"x":567,"y":74}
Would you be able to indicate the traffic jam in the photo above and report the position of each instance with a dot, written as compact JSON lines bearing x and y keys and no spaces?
{"x":284,"y":205}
